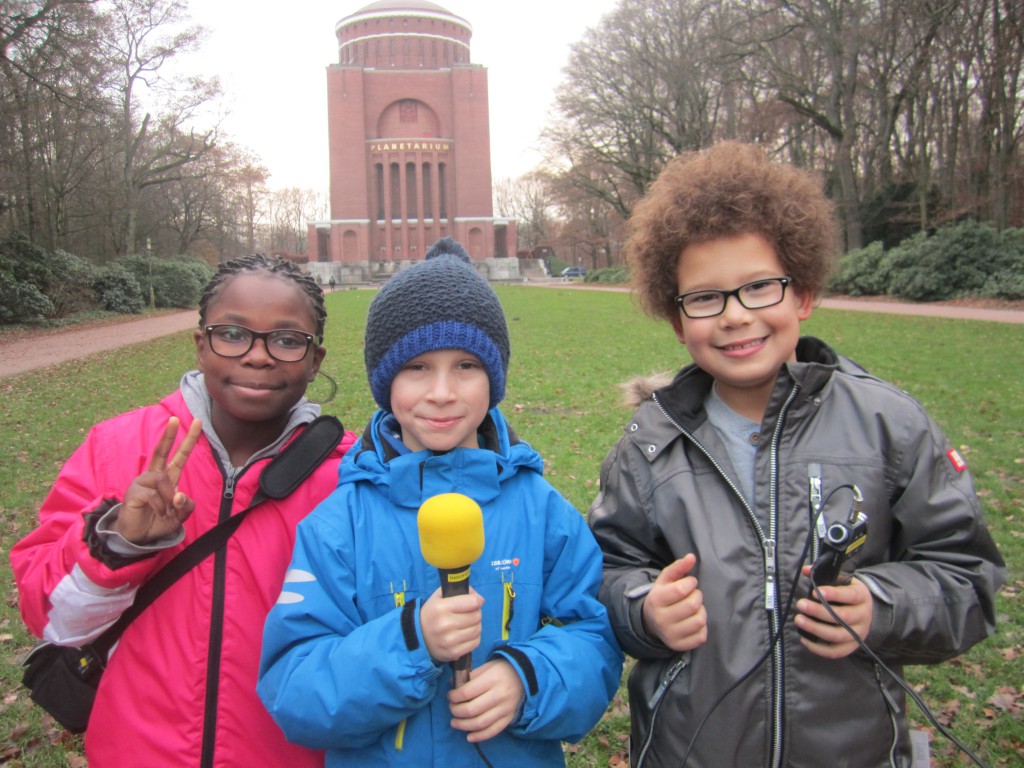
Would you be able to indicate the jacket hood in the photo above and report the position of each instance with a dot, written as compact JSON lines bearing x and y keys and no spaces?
{"x":413,"y":477}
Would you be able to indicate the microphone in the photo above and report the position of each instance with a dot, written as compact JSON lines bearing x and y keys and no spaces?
{"x":451,"y":530}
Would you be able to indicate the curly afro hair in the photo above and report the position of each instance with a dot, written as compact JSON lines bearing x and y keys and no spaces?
{"x":728,"y":190}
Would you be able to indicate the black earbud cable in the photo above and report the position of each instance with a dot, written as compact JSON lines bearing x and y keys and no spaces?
{"x":774,"y":639}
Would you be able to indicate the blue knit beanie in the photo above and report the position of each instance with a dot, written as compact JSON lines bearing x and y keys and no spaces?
{"x":439,"y":303}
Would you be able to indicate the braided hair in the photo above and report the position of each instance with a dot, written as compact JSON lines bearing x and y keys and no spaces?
{"x":273,"y":265}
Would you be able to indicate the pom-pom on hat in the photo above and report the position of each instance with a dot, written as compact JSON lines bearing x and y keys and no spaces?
{"x":439,"y":303}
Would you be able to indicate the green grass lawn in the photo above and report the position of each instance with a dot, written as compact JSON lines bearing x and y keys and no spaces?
{"x":570,"y":351}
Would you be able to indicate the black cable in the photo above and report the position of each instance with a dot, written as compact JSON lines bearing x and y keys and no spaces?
{"x":483,"y":756}
{"x":899,"y":680}
{"x":775,"y":637}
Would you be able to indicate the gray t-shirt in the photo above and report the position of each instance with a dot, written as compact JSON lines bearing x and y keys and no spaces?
{"x":740,"y":436}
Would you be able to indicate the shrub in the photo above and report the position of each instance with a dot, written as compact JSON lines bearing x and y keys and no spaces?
{"x":21,"y":301}
{"x":1007,"y":281}
{"x":177,"y":282}
{"x":69,"y":283}
{"x":23,"y":278}
{"x":618,"y":274}
{"x":117,"y":290}
{"x":864,"y":272}
{"x":25,"y":260}
{"x":955,"y":261}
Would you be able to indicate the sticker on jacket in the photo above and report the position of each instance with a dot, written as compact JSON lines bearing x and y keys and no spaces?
{"x":956,"y":459}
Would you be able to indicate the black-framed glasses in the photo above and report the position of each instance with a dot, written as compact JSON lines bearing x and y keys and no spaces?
{"x":287,"y":346}
{"x":766,"y":292}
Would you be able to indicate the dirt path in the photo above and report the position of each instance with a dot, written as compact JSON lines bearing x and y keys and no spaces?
{"x":39,"y":350}
{"x":45,"y":349}
{"x":932,"y":310}
{"x":1001,"y":312}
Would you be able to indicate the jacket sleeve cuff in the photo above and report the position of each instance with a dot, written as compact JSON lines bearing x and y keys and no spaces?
{"x":647,"y":644}
{"x":110,"y":547}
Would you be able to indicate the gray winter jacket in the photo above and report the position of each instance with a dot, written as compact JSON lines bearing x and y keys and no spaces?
{"x":667,"y":488}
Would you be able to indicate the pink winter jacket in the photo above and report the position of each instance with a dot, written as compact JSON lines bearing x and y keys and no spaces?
{"x":180,"y":687}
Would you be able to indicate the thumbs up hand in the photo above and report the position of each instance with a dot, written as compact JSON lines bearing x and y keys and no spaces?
{"x":673,"y":610}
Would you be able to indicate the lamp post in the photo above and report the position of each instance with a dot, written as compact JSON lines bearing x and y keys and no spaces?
{"x":149,"y":259}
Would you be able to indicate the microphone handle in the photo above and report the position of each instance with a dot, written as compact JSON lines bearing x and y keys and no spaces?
{"x":454,"y":582}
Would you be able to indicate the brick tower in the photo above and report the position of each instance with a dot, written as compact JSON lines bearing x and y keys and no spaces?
{"x":409,"y":137}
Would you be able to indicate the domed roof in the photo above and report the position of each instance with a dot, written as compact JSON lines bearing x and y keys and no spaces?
{"x":399,"y":5}
{"x":393,"y":8}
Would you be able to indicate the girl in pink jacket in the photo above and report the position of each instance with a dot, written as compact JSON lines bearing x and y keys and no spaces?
{"x":180,"y":687}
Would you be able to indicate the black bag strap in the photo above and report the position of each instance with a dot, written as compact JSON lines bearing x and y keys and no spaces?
{"x":285,"y":472}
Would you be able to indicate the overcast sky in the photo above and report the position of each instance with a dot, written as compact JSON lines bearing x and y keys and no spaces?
{"x":271,"y":57}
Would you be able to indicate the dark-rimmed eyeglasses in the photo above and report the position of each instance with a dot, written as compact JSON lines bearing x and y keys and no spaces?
{"x":286,"y":346}
{"x":766,"y":292}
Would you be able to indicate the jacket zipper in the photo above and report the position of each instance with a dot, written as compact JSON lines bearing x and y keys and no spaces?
{"x":777,"y":654}
{"x":768,"y":545}
{"x":212,"y":696}
{"x":655,"y":703}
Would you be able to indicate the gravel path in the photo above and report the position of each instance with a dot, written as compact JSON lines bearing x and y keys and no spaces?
{"x":45,"y":349}
{"x":50,"y":348}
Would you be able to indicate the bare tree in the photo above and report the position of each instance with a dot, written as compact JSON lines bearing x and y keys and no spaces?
{"x":290,"y":210}
{"x":49,"y":83}
{"x":142,"y":36}
{"x":641,"y":87}
{"x":528,"y":200}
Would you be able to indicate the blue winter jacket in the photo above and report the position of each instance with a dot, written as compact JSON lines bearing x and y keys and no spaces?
{"x":344,"y":663}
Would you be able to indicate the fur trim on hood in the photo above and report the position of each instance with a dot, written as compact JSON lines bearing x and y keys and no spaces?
{"x":640,"y":388}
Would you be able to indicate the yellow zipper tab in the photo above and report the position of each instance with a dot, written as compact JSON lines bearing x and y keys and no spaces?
{"x":507,"y":609}
{"x":398,"y":596}
{"x":400,"y":736}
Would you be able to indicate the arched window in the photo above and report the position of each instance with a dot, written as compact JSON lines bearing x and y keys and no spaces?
{"x":410,"y":191}
{"x":396,"y":192}
{"x":380,"y":191}
{"x":442,"y":191}
{"x":428,"y":193}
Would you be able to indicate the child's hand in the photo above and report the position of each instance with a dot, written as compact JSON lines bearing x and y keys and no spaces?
{"x":451,"y":625}
{"x":153,"y":507}
{"x":852,"y":603}
{"x":486,"y":704}
{"x":673,"y":610}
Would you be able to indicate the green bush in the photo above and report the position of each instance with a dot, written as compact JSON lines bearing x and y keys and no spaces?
{"x":117,"y":290}
{"x":23,"y":277}
{"x":956,"y":261}
{"x":21,"y":301}
{"x":618,"y":274}
{"x":1007,"y":281}
{"x":177,"y":285}
{"x":863,"y":272}
{"x":25,"y":260}
{"x":68,"y":285}
{"x":176,"y":282}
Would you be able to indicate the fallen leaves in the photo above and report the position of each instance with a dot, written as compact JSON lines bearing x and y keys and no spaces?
{"x":1006,"y":699}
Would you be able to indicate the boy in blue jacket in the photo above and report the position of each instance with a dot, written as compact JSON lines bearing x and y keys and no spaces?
{"x":357,"y":650}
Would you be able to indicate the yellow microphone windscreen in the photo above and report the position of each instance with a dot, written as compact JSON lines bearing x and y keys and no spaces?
{"x":451,"y":530}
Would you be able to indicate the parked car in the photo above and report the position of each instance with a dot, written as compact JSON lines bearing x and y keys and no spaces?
{"x":574,"y":272}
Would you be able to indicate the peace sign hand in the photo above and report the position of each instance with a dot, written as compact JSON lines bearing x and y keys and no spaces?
{"x":153,"y":507}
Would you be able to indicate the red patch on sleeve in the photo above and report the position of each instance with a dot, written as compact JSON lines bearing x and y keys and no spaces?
{"x":956,"y":459}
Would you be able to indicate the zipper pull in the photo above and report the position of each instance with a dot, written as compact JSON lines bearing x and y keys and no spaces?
{"x":667,"y":680}
{"x":507,"y":609}
{"x":769,"y":574}
{"x":814,"y":474}
{"x":398,"y":596}
{"x":229,"y":487}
